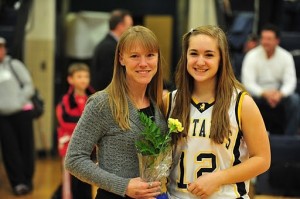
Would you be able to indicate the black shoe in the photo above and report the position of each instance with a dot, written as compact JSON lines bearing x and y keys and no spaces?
{"x":21,"y":189}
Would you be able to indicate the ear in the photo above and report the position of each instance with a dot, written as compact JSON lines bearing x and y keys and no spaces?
{"x":70,"y":80}
{"x":121,"y":60}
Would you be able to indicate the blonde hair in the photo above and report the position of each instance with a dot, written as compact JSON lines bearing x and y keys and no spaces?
{"x":226,"y":85}
{"x":117,"y":89}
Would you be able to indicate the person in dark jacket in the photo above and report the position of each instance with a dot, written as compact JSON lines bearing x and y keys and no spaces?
{"x":103,"y":58}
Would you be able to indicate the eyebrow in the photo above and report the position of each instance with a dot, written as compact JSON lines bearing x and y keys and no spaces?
{"x":211,"y":51}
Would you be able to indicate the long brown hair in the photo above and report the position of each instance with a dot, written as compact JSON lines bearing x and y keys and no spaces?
{"x":226,"y":85}
{"x":118,"y":90}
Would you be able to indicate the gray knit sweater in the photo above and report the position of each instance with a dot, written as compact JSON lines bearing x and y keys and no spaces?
{"x":116,"y":152}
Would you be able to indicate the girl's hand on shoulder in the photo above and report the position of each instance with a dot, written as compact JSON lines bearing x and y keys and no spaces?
{"x":205,"y":185}
{"x":137,"y":188}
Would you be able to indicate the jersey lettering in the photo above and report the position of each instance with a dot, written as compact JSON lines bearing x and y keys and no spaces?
{"x":196,"y":125}
{"x":195,"y":121}
{"x":181,"y":184}
{"x":202,"y":130}
{"x":206,"y":156}
{"x":211,"y":166}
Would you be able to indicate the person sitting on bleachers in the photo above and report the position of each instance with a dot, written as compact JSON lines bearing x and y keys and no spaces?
{"x":269,"y":75}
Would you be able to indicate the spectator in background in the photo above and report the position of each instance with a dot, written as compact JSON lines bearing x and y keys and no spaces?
{"x":268,"y":73}
{"x":252,"y":42}
{"x":16,"y":129}
{"x":103,"y":58}
{"x":68,"y":112}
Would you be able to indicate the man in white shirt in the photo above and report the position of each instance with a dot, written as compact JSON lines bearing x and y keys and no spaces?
{"x":269,"y":75}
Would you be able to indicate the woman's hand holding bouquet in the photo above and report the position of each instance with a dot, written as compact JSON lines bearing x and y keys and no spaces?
{"x":155,"y":150}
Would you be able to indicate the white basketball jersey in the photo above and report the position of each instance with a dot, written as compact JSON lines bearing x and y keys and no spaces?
{"x":199,"y":155}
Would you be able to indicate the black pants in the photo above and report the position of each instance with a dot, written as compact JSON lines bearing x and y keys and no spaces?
{"x":274,"y":118}
{"x":17,"y":142}
{"x":80,"y":190}
{"x":102,"y":194}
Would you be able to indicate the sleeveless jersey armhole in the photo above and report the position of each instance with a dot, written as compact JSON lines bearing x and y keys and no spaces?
{"x":238,"y":108}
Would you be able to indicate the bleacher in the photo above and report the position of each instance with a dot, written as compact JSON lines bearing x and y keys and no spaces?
{"x":291,"y":42}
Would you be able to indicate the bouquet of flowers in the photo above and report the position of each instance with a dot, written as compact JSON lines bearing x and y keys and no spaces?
{"x":154,"y":149}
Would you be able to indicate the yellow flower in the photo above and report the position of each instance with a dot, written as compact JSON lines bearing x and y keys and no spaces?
{"x":174,"y":125}
{"x":153,"y":141}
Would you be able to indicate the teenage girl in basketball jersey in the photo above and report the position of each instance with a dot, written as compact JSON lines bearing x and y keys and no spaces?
{"x":225,"y":142}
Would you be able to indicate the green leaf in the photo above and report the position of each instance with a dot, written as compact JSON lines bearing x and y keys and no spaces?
{"x":152,"y":141}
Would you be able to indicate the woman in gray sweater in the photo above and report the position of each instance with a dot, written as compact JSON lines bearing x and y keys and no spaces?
{"x":111,"y":121}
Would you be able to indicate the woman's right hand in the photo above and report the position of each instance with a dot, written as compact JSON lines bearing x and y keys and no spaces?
{"x":137,"y":188}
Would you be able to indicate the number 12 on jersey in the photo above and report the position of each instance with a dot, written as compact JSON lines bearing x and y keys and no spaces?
{"x":210,"y":166}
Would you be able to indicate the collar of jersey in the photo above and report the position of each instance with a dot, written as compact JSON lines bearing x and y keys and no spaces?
{"x":202,"y":106}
